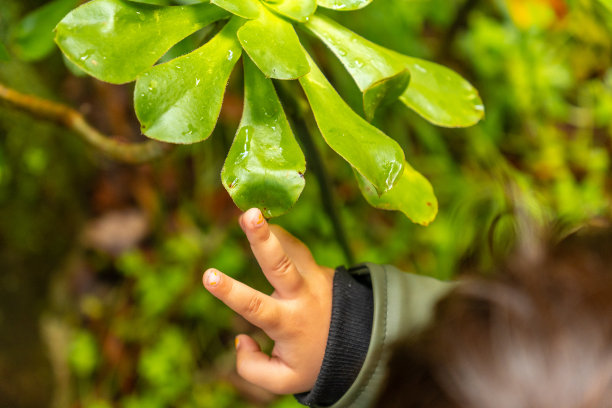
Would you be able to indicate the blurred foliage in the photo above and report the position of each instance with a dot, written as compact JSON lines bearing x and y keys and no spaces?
{"x":114,"y":254}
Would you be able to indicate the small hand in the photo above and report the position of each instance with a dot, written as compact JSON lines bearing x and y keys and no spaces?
{"x":296,"y":316}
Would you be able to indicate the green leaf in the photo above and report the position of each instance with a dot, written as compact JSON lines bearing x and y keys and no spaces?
{"x":116,"y":40}
{"x":75,"y":70}
{"x":274,"y":47}
{"x":243,"y":8}
{"x":379,"y":74}
{"x":384,"y":92}
{"x":435,"y":92}
{"x":33,"y":37}
{"x":179,"y":101}
{"x":298,"y":10}
{"x":344,"y":5}
{"x":265,"y":166}
{"x":440,"y":95}
{"x":412,"y":195}
{"x":375,"y":155}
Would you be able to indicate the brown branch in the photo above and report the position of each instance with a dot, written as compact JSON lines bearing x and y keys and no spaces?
{"x":74,"y":120}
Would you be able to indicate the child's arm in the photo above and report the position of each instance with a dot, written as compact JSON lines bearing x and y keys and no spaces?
{"x":332,"y":331}
{"x":296,"y":316}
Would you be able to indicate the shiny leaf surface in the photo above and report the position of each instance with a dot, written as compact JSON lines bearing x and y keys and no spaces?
{"x":437,"y":93}
{"x":375,"y":155}
{"x":180,"y":101}
{"x":440,"y":95}
{"x":243,"y":8}
{"x":33,"y":37}
{"x":116,"y":40}
{"x":265,"y":166}
{"x":412,"y":195}
{"x":379,"y":74}
{"x":274,"y":47}
{"x":343,"y":5}
{"x":298,"y":10}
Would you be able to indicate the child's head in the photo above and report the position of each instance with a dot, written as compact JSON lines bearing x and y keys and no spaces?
{"x":538,"y":335}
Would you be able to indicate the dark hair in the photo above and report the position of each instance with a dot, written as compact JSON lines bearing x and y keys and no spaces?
{"x":536,"y":335}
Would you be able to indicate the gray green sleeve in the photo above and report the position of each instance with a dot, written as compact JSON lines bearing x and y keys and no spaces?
{"x":403,"y":303}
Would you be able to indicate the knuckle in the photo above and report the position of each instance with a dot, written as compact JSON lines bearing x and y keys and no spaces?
{"x":283,"y":266}
{"x":255,"y":305}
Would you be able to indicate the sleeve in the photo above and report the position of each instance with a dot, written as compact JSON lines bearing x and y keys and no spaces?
{"x":402,"y":304}
{"x":347,"y":342}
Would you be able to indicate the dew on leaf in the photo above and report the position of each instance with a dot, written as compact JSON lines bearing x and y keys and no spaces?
{"x":420,"y":68}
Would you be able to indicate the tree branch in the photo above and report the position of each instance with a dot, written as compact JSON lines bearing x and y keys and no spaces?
{"x":72,"y":119}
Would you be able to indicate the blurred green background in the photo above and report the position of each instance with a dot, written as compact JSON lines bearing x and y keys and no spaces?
{"x":101,"y":303}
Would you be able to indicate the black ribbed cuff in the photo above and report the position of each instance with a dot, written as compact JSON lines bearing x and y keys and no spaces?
{"x":348,"y":340}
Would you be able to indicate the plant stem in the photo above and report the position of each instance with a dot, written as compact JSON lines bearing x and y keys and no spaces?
{"x":74,"y":120}
{"x":305,"y":128}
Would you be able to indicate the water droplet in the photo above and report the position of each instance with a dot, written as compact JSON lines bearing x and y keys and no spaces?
{"x":197,"y":81}
{"x":358,"y":64}
{"x":420,"y":68}
{"x":479,"y":108}
{"x":392,"y":174}
{"x":230,"y":55}
{"x":86,"y":55}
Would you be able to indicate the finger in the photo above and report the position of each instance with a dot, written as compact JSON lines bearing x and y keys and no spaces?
{"x":278,"y":267}
{"x":262,"y":370}
{"x":295,"y":249}
{"x":257,"y":308}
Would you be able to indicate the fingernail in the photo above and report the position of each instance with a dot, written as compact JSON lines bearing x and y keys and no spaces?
{"x":213,"y":278}
{"x":236,"y":342}
{"x":260,"y":220}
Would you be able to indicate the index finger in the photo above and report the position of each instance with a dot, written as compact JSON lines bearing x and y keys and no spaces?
{"x":279,"y":268}
{"x":257,"y":308}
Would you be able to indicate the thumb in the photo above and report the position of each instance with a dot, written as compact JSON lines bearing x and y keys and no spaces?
{"x":270,"y":373}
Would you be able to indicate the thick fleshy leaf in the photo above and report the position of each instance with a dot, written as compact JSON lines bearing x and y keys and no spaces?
{"x":243,"y":8}
{"x":116,"y":40}
{"x":379,"y":74}
{"x":179,"y":101}
{"x":265,"y":166}
{"x":375,"y":155}
{"x":412,"y":195}
{"x":384,"y":92}
{"x":435,"y":92}
{"x":440,"y":95}
{"x":33,"y":37}
{"x":76,"y":71}
{"x":298,"y":10}
{"x":274,"y":47}
{"x":343,"y":5}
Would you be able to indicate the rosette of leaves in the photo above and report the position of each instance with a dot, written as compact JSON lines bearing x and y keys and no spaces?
{"x":179,"y":100}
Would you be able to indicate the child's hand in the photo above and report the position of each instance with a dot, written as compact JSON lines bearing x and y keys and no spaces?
{"x":296,"y":316}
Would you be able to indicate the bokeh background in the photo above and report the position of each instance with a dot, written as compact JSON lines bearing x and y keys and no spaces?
{"x":101,"y":303}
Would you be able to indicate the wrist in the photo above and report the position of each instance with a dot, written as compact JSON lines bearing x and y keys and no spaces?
{"x":348,"y":340}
